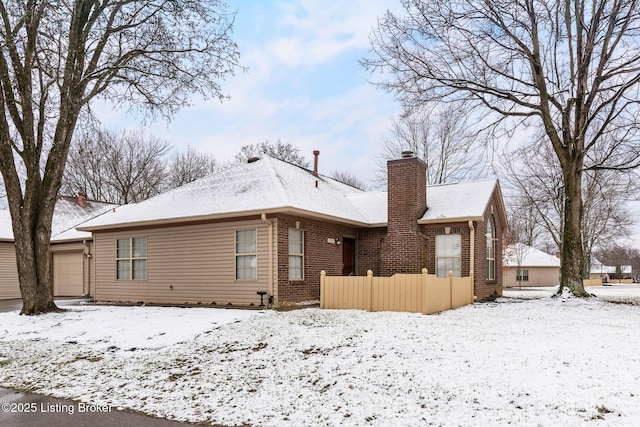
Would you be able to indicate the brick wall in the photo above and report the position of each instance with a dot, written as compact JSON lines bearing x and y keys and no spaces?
{"x":368,"y":247}
{"x":485,"y":289}
{"x":318,"y":255}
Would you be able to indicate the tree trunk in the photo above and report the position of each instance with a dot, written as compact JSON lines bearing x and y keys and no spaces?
{"x":32,"y":234}
{"x":36,"y":290}
{"x":572,"y":250}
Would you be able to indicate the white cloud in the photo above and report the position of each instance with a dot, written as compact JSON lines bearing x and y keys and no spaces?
{"x":308,"y":33}
{"x":303,"y":86}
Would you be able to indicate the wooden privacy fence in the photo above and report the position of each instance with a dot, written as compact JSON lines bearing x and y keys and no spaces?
{"x":599,"y":282}
{"x":591,"y":282}
{"x":416,"y":293}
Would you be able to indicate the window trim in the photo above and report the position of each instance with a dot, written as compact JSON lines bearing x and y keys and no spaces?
{"x":296,"y":255}
{"x":245,"y":254}
{"x":459,"y":257}
{"x":131,"y":258}
{"x":491,"y":250}
{"x":520,"y":277}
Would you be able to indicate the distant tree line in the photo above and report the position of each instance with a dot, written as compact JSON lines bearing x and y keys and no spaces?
{"x":131,"y":166}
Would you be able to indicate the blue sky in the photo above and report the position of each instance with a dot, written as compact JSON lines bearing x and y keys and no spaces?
{"x":304,"y":86}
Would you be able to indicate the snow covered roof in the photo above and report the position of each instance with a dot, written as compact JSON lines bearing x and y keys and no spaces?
{"x":66,"y":216}
{"x":454,"y":201}
{"x":598,"y":268}
{"x":528,"y":256}
{"x":269,"y":185}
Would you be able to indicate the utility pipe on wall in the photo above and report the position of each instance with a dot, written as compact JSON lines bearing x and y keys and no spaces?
{"x":263,"y":217}
{"x":472,"y":248}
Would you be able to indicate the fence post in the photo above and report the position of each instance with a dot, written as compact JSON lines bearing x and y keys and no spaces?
{"x":425,"y":292}
{"x":450,"y":289}
{"x":369,"y":284}
{"x":471,"y":296}
{"x":323,"y":275}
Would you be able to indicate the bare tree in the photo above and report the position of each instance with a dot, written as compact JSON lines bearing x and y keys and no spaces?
{"x":136,"y":166}
{"x":55,"y":58}
{"x":349,"y":179}
{"x":570,"y":68}
{"x":535,"y":178}
{"x":442,"y":139}
{"x":279,"y":150}
{"x":113,"y":167}
{"x":525,"y":222}
{"x":86,"y":168}
{"x":189,"y":165}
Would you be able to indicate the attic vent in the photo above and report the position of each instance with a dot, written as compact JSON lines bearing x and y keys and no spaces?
{"x":253,"y":159}
{"x":407,"y":154}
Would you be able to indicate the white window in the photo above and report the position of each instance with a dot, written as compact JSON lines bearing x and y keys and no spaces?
{"x":448,"y":255}
{"x":131,"y":258}
{"x":522,"y":275}
{"x":296,"y":254}
{"x":491,"y":250}
{"x":246,"y":256}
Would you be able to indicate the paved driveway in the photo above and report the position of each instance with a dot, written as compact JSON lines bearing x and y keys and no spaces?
{"x":19,"y":409}
{"x":10,"y":305}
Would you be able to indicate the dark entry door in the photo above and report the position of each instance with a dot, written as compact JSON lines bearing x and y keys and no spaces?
{"x":348,"y":256}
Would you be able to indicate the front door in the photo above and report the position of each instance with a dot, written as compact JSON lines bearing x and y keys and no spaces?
{"x":348,"y":256}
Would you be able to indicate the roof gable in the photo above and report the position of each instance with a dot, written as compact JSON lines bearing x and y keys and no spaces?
{"x":466,"y":200}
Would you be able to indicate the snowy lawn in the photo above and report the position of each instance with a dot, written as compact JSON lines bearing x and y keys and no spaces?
{"x":519,"y":361}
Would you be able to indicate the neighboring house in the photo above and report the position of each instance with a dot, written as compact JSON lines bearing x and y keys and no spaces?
{"x":610,"y":272}
{"x":527,"y":266}
{"x":270,"y":226}
{"x":70,"y":249}
{"x":601,"y":271}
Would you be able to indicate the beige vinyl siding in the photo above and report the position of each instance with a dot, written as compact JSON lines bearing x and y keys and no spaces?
{"x":9,"y":285}
{"x":538,"y":276}
{"x":185,"y":264}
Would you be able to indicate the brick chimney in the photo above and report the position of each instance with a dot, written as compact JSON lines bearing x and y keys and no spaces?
{"x":316,"y":153}
{"x":404,"y":247}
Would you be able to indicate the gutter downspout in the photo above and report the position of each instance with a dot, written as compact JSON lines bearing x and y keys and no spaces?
{"x":87,"y":256}
{"x":472,"y":250}
{"x":263,"y":218}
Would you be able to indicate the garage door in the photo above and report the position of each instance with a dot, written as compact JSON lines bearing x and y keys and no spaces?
{"x":67,"y":274}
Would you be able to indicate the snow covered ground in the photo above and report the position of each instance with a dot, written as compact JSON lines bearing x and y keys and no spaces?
{"x":526,"y":359}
